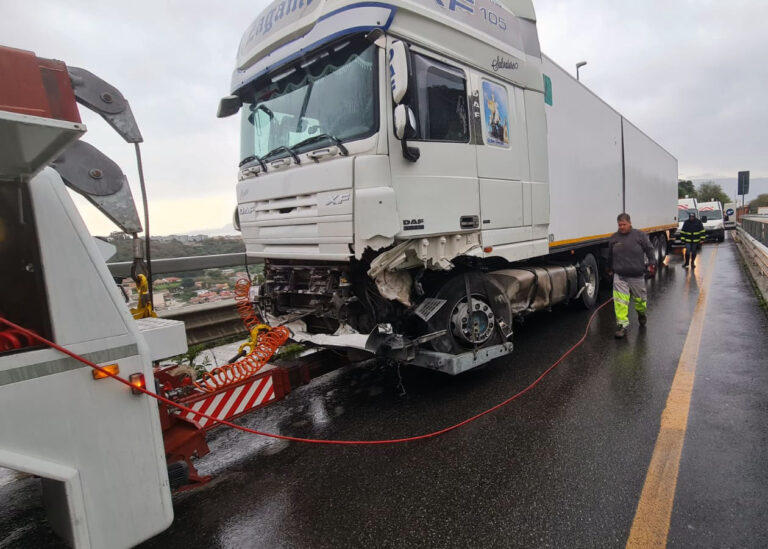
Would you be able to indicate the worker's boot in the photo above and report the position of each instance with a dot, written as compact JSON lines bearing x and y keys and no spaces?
{"x":621,"y":331}
{"x":642,"y":319}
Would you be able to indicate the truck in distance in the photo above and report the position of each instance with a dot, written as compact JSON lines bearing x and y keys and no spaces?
{"x":712,"y":218}
{"x":685,"y":207}
{"x":416,"y":175}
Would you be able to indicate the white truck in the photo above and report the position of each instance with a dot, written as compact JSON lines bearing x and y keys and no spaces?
{"x":97,"y":448}
{"x":712,"y":217}
{"x":416,"y":175}
{"x":685,"y":207}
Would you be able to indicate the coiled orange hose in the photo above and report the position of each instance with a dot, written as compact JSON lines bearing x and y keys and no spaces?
{"x":264,"y":342}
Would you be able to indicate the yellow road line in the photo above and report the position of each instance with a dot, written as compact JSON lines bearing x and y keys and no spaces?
{"x":650,"y":527}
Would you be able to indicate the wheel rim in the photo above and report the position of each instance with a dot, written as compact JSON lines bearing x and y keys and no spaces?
{"x":472,"y":324}
{"x":590,"y":281}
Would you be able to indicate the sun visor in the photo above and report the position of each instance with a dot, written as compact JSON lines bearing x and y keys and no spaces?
{"x":263,"y":50}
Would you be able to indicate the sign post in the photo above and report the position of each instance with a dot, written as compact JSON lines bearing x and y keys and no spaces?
{"x":743,"y":185}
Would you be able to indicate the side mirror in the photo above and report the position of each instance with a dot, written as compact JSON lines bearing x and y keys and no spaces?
{"x":703,"y":218}
{"x":726,"y":217}
{"x":405,"y":122}
{"x":405,"y":128}
{"x":228,"y":106}
{"x":399,"y":69}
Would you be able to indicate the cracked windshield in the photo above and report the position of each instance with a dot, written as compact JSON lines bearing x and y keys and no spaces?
{"x":332,"y":92}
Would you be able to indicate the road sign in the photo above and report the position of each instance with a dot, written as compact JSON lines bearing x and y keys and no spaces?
{"x":729,"y":211}
{"x":743,"y":183}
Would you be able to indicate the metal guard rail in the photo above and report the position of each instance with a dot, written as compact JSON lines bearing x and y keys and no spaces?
{"x":182,"y":264}
{"x":204,"y":323}
{"x":752,"y":238}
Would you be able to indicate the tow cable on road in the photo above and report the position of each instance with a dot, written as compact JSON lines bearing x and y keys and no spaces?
{"x":183,"y":408}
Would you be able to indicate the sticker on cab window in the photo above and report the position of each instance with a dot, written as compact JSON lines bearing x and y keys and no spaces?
{"x":496,"y":119}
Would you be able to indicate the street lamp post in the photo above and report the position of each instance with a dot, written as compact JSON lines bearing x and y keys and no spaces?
{"x":578,"y":66}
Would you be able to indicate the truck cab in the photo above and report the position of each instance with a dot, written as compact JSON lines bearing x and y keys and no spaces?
{"x":713,"y":219}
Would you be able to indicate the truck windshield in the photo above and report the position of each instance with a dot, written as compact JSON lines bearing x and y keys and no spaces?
{"x":682,"y":215}
{"x":330,"y":92}
{"x":712,"y":214}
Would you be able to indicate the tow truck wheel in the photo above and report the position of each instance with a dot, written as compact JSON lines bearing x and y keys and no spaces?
{"x":589,"y":280}
{"x":469,"y":323}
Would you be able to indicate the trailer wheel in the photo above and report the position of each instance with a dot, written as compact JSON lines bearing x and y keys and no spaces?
{"x":469,"y":325}
{"x":659,"y":249}
{"x":663,"y":247}
{"x":589,"y":279}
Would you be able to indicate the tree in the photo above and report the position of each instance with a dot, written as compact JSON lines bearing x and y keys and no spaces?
{"x":761,"y":200}
{"x":709,"y":191}
{"x":685,"y":188}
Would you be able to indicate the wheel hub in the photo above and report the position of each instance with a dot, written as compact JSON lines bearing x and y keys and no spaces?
{"x":473,"y":323}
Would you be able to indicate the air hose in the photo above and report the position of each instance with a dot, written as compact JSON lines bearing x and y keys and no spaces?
{"x":310,"y":440}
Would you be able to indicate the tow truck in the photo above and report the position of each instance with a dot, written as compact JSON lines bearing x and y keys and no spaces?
{"x":108,"y":456}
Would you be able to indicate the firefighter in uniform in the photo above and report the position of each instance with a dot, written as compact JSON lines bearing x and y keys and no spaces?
{"x":692,"y":234}
{"x":626,"y":249}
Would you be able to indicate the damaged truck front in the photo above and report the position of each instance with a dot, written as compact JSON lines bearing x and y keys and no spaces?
{"x":395,"y":176}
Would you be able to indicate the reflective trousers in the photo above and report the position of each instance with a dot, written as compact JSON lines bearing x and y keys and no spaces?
{"x":623,"y":288}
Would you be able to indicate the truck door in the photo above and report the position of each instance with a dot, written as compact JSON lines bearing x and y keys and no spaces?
{"x":502,"y":160}
{"x":438,"y":193}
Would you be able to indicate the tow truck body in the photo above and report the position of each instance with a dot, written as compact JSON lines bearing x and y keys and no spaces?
{"x":97,"y":448}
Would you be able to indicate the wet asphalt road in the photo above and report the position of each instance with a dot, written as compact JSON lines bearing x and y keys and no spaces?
{"x":562,"y":466}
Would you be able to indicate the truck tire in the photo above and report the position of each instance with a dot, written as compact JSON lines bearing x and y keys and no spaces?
{"x":663,"y":247}
{"x":659,"y":248}
{"x":589,"y":278}
{"x":488,"y":308}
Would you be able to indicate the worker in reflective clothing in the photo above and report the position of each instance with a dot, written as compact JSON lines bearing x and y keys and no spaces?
{"x":692,"y":234}
{"x":627,"y":250}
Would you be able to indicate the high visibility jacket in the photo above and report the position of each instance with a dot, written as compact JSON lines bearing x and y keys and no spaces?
{"x":693,"y":231}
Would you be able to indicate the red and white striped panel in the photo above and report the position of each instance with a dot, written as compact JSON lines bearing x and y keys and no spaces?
{"x":232,"y":402}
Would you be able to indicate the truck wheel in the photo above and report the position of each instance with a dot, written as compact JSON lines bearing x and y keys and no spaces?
{"x":469,"y":325}
{"x":589,"y":280}
{"x":663,"y":247}
{"x":656,"y":250}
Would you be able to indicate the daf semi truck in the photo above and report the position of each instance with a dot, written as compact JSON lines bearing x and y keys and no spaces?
{"x":416,"y":174}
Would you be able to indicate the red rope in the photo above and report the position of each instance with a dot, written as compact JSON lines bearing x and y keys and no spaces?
{"x":311,"y":440}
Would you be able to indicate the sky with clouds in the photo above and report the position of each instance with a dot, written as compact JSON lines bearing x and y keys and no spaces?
{"x":690,"y":73}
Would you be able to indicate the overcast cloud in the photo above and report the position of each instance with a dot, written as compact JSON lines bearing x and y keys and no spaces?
{"x":691,"y":74}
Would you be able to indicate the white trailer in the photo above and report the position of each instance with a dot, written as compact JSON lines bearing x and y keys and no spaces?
{"x":416,"y":174}
{"x":96,"y":447}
